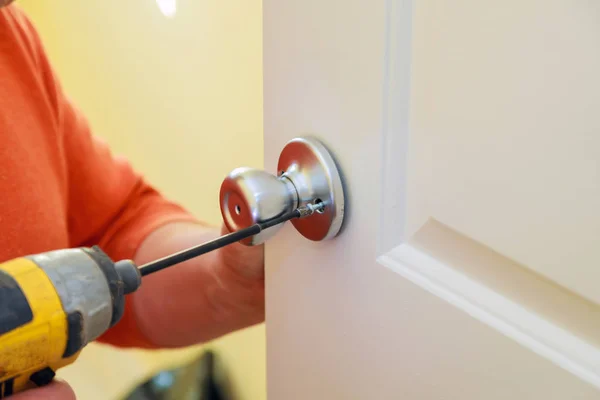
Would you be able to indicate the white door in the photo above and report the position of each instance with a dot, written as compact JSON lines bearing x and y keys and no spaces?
{"x":468,"y":133}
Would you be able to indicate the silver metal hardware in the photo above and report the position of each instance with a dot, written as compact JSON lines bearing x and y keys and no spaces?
{"x":308,"y":179}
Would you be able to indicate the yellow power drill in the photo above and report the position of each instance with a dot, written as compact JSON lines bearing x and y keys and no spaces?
{"x":53,"y":304}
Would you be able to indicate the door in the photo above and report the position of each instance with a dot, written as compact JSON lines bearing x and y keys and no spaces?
{"x":468,"y":133}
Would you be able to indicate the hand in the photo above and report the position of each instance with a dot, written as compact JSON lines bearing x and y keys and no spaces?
{"x":240,"y":270}
{"x":57,"y":390}
{"x":198,"y":300}
{"x":247,"y":262}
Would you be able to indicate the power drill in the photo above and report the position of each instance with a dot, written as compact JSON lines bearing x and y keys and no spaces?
{"x":53,"y":304}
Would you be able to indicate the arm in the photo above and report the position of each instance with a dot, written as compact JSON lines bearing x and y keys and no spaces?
{"x":108,"y":203}
{"x":113,"y":206}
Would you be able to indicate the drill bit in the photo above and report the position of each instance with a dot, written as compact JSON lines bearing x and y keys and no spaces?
{"x":226,"y":240}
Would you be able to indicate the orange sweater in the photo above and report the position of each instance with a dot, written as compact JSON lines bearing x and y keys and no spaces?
{"x":59,"y":185}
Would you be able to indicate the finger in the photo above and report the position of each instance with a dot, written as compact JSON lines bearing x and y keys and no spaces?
{"x":247,"y":261}
{"x":57,"y":390}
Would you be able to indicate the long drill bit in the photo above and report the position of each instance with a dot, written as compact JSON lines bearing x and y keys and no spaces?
{"x":226,"y":240}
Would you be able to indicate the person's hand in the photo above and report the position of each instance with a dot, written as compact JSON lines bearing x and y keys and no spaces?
{"x":243,"y":268}
{"x":245,"y":261}
{"x":197,"y":300}
{"x":57,"y":390}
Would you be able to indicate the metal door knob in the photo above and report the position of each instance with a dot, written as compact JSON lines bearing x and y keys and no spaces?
{"x":307,"y":173}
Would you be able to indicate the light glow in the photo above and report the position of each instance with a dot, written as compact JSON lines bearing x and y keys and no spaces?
{"x":167,"y":7}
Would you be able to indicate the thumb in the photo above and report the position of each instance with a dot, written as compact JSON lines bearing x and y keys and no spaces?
{"x":57,"y":390}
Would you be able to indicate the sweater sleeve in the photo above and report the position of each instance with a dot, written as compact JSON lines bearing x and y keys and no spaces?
{"x":111,"y":205}
{"x":108,"y":203}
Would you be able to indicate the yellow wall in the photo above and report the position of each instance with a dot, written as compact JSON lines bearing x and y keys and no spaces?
{"x":182,"y":98}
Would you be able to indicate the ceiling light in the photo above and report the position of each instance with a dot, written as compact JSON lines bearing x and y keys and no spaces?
{"x":167,"y":7}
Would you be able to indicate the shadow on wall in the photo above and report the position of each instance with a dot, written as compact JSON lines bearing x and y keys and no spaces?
{"x":181,"y":97}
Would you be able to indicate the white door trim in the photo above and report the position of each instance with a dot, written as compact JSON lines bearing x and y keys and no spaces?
{"x":395,"y":123}
{"x":535,"y":331}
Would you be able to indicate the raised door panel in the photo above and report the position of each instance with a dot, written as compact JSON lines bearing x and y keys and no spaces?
{"x":505,"y":131}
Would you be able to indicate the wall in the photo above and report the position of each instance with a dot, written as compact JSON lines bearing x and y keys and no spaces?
{"x":182,"y":98}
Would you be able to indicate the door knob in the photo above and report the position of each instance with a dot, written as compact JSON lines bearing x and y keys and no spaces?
{"x":307,"y":174}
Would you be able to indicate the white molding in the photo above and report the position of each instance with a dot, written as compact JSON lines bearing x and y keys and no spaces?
{"x":395,"y":123}
{"x":532,"y":330}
